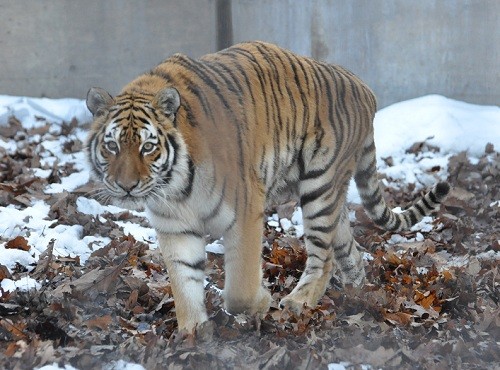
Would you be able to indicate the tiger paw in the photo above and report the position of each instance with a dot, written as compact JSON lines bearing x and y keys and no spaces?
{"x":188,"y":323}
{"x":263,"y":301}
{"x":258,"y":305}
{"x":294,"y":303}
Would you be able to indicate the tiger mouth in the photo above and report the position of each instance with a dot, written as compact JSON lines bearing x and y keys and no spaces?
{"x":134,"y":195}
{"x":128,"y":201}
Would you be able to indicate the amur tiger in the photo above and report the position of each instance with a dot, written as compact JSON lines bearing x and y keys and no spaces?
{"x":204,"y":144}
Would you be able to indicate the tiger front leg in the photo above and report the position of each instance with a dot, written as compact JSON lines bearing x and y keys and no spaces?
{"x":243,"y":290}
{"x":184,"y":256}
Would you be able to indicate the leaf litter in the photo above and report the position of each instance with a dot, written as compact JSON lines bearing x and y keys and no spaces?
{"x":431,"y":300}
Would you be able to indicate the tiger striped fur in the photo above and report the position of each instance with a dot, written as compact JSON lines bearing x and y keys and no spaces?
{"x":205,"y":144}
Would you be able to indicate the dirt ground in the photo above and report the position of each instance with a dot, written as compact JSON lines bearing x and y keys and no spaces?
{"x":428,"y":304}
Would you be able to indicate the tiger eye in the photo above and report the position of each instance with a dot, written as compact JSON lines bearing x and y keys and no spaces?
{"x":111,"y":146}
{"x":148,"y":147}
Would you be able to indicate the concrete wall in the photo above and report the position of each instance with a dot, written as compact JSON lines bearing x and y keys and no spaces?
{"x":60,"y":48}
{"x":402,"y":49}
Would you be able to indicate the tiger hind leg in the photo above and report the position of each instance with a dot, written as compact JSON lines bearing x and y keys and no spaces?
{"x":327,"y":236}
{"x":312,"y":283}
{"x":346,"y":254}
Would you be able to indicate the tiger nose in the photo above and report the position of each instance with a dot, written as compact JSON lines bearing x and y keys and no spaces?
{"x":128,"y":186}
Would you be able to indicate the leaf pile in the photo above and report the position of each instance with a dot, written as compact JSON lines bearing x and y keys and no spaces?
{"x":429,"y":303}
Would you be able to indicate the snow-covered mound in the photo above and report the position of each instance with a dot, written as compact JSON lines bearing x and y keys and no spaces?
{"x":30,"y":110}
{"x":452,"y":125}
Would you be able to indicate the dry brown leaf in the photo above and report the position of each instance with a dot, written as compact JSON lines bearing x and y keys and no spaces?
{"x":447,"y":275}
{"x":4,"y":273}
{"x":427,"y":300}
{"x":398,"y":318}
{"x":132,"y":299}
{"x":13,"y":127}
{"x":101,"y":322}
{"x":421,"y":312}
{"x":18,"y":242}
{"x":44,"y":262}
{"x":12,"y":348}
{"x":16,"y":328}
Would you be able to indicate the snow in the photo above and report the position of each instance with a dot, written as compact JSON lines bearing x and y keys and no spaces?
{"x":216,"y":247}
{"x":116,"y":365}
{"x":30,"y":223}
{"x":346,"y":365}
{"x":140,"y":233}
{"x":28,"y":109}
{"x":69,"y":183}
{"x":122,"y":365}
{"x":55,"y":366}
{"x":25,"y":283}
{"x":293,"y":226}
{"x":425,"y":225}
{"x":13,"y":220}
{"x":94,"y":208}
{"x":453,"y":125}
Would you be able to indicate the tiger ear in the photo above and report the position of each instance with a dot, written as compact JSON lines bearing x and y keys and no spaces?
{"x":169,"y":101}
{"x":98,"y":100}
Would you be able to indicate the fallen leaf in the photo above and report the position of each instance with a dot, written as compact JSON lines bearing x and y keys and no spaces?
{"x":18,"y":242}
{"x":398,"y":318}
{"x":4,"y":273}
{"x":44,"y":262}
{"x":10,"y":130}
{"x":101,"y":322}
{"x":11,"y":349}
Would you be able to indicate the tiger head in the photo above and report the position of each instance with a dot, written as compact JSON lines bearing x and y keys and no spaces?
{"x":134,"y":147}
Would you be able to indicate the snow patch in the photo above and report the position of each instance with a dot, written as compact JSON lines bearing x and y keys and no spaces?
{"x":425,"y":225}
{"x":123,"y":365}
{"x":452,"y":125}
{"x":138,"y":232}
{"x":69,"y":183}
{"x":30,"y":110}
{"x":24,"y":284}
{"x":293,"y":227}
{"x":55,"y":366}
{"x":216,"y":247}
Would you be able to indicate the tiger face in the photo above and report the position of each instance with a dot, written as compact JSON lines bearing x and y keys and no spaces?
{"x":135,"y":147}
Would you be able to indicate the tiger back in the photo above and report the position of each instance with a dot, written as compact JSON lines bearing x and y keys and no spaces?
{"x":205,"y":144}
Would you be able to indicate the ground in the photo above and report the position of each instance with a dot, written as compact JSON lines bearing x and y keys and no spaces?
{"x":431,"y":301}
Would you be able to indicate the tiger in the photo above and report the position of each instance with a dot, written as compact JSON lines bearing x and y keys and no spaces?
{"x":204,"y":146}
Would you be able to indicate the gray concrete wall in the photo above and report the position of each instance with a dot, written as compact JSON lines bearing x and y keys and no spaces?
{"x":402,"y":49}
{"x":60,"y":48}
